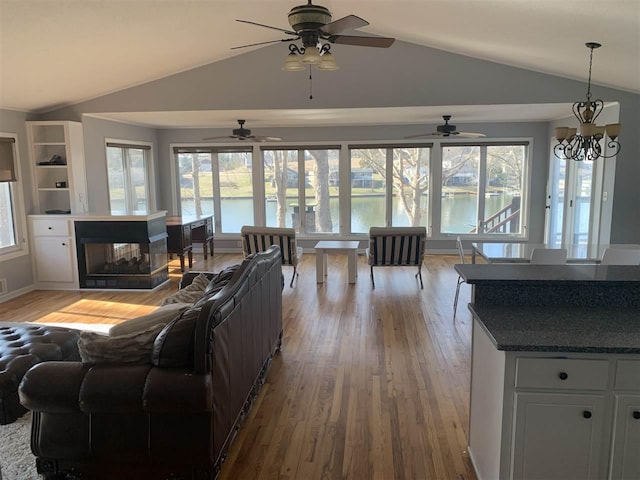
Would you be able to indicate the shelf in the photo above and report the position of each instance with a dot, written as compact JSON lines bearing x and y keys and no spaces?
{"x":47,"y":144}
{"x":49,"y":189}
{"x":51,"y":166}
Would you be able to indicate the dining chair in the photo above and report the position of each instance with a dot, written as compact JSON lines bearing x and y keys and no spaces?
{"x":620,"y":256}
{"x":460,"y":279}
{"x":548,"y":256}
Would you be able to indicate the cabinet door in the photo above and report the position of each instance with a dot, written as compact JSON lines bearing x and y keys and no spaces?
{"x":54,"y":259}
{"x":625,"y":452}
{"x":557,"y":437}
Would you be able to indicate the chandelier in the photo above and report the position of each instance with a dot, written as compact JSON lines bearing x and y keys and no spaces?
{"x":583,"y":143}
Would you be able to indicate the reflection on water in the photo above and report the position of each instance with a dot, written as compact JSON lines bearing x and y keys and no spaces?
{"x":458,"y":213}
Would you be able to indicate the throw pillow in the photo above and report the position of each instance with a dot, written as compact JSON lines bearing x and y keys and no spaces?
{"x":131,"y":348}
{"x":191,"y":293}
{"x":220,"y":280}
{"x":160,"y":316}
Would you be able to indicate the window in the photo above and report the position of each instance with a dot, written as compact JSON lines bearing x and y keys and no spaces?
{"x":302,"y":188}
{"x":482,"y":189}
{"x":128,"y":176}
{"x":219,"y":182}
{"x":389,"y":186}
{"x":10,"y":192}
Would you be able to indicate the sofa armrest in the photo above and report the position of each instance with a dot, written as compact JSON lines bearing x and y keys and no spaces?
{"x":53,"y":386}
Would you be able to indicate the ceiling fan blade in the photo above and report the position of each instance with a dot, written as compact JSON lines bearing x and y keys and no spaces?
{"x":288,"y":32}
{"x":264,"y":43}
{"x":469,"y":134}
{"x":259,"y":138}
{"x":422,"y":135}
{"x":380,"y":42}
{"x":224,"y":137}
{"x":345,"y":23}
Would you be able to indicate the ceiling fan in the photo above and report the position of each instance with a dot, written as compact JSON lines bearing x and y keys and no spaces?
{"x":245,"y":134}
{"x":312,"y":24}
{"x":446,"y":130}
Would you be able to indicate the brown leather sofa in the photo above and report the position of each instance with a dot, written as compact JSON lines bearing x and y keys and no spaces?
{"x":175,"y":417}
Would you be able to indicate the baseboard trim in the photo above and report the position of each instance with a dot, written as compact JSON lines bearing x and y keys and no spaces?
{"x":16,"y":293}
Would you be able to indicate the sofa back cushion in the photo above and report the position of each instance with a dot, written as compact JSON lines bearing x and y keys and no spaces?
{"x":173,"y":347}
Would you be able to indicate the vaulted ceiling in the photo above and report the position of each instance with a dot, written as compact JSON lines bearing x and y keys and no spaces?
{"x":60,"y":52}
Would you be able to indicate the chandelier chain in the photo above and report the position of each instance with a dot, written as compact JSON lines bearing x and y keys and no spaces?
{"x":589,"y":81}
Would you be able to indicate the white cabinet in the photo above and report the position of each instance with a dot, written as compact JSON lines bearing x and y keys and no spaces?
{"x":625,"y":449}
{"x":625,"y":452}
{"x":55,"y":265}
{"x":548,"y":416}
{"x":557,"y":436}
{"x":57,"y":162}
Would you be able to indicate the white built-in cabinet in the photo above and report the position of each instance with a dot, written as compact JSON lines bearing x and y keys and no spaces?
{"x":54,"y":252}
{"x":553,"y":416}
{"x":59,"y":189}
{"x":61,"y":185}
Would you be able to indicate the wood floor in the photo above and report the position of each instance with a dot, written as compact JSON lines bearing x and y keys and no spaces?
{"x":370,"y":384}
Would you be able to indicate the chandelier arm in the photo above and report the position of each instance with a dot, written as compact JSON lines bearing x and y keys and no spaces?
{"x":577,"y":108}
{"x":598,"y":105}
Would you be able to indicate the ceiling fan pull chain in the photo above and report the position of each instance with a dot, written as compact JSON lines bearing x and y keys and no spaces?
{"x":310,"y":84}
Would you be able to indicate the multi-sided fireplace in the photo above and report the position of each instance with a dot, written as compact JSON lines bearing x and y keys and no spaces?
{"x":122,"y":253}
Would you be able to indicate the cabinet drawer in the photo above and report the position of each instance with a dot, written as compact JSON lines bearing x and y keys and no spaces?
{"x":628,"y":375}
{"x":51,"y":227}
{"x":559,"y":373}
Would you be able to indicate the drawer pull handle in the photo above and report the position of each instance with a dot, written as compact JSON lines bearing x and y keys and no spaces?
{"x":586,"y":414}
{"x":50,"y":228}
{"x":563,"y":375}
{"x":636,"y":415}
{"x":64,"y":244}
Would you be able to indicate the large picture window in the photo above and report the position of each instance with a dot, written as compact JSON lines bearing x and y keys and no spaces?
{"x":217,"y":181}
{"x":10,"y":193}
{"x":482,"y":189}
{"x":128,"y":176}
{"x":389,"y":186}
{"x":302,"y":188}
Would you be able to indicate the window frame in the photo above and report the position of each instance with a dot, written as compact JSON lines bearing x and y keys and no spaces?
{"x":16,"y":192}
{"x":436,"y":209}
{"x":300,"y":149}
{"x":147,"y":148}
{"x":213,"y":150}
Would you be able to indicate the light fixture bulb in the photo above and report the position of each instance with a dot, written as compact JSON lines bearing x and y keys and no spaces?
{"x":327,"y":63}
{"x":311,"y":56}
{"x":292,"y":63}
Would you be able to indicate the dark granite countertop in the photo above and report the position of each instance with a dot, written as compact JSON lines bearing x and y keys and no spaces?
{"x":495,"y":273}
{"x":561,"y":329}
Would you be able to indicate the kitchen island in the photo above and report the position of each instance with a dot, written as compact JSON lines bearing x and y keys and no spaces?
{"x":555,"y":380}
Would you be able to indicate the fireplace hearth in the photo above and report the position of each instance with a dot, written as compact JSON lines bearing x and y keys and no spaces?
{"x":122,"y":254}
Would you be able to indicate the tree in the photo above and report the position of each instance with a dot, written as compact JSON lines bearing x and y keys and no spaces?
{"x":280,"y":181}
{"x":409,"y":176}
{"x":321,"y":190}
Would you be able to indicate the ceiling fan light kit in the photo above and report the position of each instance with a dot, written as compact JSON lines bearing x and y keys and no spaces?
{"x":446,"y":130}
{"x":583,"y":143}
{"x":244,"y":134}
{"x":312,"y":25}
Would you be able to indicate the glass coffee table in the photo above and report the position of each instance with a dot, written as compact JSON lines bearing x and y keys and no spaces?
{"x":324,"y":247}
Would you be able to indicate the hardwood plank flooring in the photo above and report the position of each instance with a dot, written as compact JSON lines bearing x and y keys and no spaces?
{"x":370,"y":383}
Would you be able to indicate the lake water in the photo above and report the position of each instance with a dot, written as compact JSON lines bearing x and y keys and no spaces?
{"x":457,"y":212}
